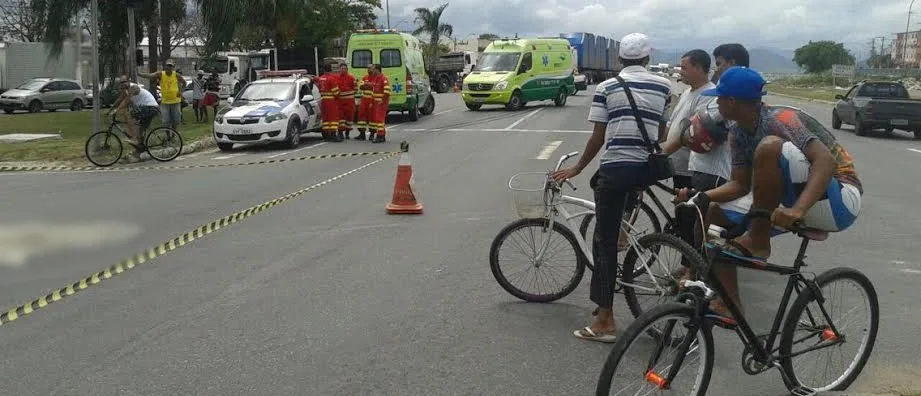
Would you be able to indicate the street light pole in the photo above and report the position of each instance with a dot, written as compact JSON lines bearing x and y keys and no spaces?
{"x":387,"y":5}
{"x":95,"y":33}
{"x":905,"y":38}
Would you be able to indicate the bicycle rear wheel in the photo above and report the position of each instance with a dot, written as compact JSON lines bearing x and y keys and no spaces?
{"x":807,"y":323}
{"x":651,"y":272}
{"x":641,"y":366}
{"x":645,"y":223}
{"x":534,"y":234}
{"x":103,"y":142}
{"x":163,"y":144}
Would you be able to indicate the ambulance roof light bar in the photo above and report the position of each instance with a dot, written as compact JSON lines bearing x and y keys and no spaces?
{"x":281,"y":73}
{"x":376,"y":31}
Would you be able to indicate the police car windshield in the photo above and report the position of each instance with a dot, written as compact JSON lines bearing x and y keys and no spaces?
{"x":498,"y":61}
{"x":267,"y":92}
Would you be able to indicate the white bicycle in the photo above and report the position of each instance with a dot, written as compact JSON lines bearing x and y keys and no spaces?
{"x":547,"y":226}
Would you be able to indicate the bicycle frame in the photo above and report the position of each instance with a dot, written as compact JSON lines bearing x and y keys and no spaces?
{"x":558,"y":210}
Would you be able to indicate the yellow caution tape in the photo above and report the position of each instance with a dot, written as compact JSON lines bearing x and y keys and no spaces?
{"x":163,"y":248}
{"x":177,"y":167}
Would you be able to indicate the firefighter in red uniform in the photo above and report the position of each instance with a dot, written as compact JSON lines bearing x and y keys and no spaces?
{"x":366,"y":105}
{"x":328,"y":84}
{"x":381,"y":88}
{"x":346,"y":101}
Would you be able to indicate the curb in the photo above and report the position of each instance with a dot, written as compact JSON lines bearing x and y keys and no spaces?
{"x":195,"y":146}
{"x":801,"y":98}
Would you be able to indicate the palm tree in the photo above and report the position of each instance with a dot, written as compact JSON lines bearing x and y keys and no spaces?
{"x":429,"y":21}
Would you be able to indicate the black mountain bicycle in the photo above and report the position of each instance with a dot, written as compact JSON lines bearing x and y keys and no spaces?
{"x":162,"y":143}
{"x":807,"y":322}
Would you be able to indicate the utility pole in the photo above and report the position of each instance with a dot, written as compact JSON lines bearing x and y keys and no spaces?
{"x":905,"y":37}
{"x":387,"y":5}
{"x":95,"y":18}
{"x":132,"y":45}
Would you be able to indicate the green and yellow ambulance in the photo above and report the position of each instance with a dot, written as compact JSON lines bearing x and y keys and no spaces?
{"x":513,"y":72}
{"x":400,"y":57}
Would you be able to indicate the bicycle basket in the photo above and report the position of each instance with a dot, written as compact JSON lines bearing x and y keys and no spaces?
{"x":532,"y":198}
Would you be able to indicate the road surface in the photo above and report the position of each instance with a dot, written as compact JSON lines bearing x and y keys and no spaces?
{"x":326,"y":294}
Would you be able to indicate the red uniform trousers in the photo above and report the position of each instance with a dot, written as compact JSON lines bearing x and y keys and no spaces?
{"x":329,"y":111}
{"x":366,"y":113}
{"x":346,"y":112}
{"x":380,"y":115}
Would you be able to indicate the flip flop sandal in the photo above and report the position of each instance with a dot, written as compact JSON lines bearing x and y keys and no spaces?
{"x":586,"y":333}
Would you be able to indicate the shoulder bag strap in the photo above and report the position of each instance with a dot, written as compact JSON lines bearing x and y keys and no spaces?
{"x":636,"y":115}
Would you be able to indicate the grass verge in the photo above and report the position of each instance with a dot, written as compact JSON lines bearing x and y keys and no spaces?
{"x":819,"y":86}
{"x":75,"y":128}
{"x":818,"y":93}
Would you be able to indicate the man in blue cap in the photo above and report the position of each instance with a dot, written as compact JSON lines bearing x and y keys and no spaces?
{"x":784,"y":161}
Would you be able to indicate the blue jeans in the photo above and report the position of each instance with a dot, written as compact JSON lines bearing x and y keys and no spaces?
{"x":614,"y":191}
{"x":172,"y":114}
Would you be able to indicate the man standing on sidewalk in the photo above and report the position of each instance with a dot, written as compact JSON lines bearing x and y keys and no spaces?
{"x":624,"y":166}
{"x":170,"y":84}
{"x":346,"y":101}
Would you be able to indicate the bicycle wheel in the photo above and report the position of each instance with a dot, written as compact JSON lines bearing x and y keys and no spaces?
{"x":814,"y":327}
{"x":646,"y":222}
{"x":102,"y":142}
{"x":534,"y":233}
{"x":652,"y":272}
{"x":642,"y":374}
{"x":163,"y":144}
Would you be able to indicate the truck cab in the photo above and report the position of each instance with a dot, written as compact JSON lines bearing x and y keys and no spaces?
{"x":450,"y":68}
{"x":236,"y":69}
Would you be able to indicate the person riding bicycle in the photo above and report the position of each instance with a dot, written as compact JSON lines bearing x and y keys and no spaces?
{"x":143,"y":108}
{"x":783,"y":161}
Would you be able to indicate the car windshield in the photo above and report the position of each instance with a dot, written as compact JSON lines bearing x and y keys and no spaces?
{"x":32,"y":85}
{"x":267,"y":92}
{"x":498,"y":61}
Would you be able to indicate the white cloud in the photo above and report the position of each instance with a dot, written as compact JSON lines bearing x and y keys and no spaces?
{"x":785,"y":24}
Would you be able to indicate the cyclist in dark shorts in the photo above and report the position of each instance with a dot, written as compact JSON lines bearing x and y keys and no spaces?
{"x":144,"y":108}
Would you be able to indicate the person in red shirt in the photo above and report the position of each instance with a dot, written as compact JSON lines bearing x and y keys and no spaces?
{"x":381,"y":93}
{"x":366,"y":105}
{"x":328,"y":84}
{"x":346,"y":101}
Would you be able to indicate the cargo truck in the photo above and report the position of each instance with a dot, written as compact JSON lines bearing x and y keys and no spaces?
{"x":596,"y":56}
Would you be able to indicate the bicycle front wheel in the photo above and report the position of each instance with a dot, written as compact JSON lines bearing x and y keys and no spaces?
{"x":562,"y":259}
{"x":163,"y":144}
{"x":103,"y":148}
{"x":807,"y":326}
{"x":642,"y":364}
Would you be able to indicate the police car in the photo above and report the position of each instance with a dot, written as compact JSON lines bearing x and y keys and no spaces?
{"x":280,"y":106}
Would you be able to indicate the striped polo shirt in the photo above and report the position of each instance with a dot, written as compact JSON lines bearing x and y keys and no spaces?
{"x":624,"y":145}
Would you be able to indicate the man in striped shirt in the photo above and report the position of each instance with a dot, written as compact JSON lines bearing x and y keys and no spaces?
{"x":623,"y":166}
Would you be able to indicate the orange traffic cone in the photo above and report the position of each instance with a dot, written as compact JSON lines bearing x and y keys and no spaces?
{"x":404,"y":200}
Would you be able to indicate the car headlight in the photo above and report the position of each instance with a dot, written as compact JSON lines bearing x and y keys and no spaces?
{"x":275,"y":117}
{"x":219,"y":119}
{"x":502,"y":85}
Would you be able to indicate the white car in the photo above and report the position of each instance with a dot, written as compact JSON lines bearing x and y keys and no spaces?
{"x":279,"y":109}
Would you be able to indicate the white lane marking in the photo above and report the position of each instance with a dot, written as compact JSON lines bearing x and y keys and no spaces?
{"x":520,"y":120}
{"x":294,"y":151}
{"x":911,"y":271}
{"x":223,"y":157}
{"x":915,"y":150}
{"x":503,"y":130}
{"x":549,"y":149}
{"x":446,"y":111}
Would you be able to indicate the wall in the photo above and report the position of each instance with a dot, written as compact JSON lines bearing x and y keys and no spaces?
{"x":24,"y":61}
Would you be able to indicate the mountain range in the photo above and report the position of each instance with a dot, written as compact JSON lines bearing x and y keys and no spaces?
{"x":763,"y":59}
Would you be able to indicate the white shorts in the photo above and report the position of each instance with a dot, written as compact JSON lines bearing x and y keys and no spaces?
{"x":835,"y":211}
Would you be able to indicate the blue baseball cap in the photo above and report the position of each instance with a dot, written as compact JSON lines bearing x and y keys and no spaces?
{"x":739,"y":82}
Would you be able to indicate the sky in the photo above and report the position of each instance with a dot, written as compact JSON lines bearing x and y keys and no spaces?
{"x":781,"y":24}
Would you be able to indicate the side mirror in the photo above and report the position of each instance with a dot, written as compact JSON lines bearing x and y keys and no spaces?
{"x":839,"y":97}
{"x":230,"y":100}
{"x":307,"y":98}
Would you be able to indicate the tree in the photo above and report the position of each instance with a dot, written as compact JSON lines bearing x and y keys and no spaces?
{"x":22,"y":20}
{"x":489,"y":36}
{"x":429,"y":21}
{"x":819,"y":56}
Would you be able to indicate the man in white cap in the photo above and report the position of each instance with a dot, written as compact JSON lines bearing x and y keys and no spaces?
{"x":623,"y":167}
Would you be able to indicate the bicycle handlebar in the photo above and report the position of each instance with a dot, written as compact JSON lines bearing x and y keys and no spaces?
{"x":563,"y":159}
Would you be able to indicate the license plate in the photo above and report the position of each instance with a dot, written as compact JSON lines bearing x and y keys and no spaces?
{"x":241,"y":131}
{"x":899,"y":122}
{"x":479,"y":100}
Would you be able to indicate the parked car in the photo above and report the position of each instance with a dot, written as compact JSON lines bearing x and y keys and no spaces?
{"x":878,"y":105}
{"x":278,"y":109}
{"x":40,"y":94}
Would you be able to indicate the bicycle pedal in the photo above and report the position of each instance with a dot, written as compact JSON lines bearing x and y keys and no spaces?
{"x":802,"y":391}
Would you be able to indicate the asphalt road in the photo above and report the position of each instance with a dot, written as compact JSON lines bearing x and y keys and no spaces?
{"x":326,"y":294}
